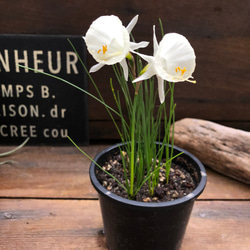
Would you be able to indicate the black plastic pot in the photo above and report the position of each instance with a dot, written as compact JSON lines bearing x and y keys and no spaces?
{"x":133,"y":225}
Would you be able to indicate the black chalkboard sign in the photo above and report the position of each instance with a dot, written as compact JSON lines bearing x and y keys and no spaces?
{"x":38,"y":106}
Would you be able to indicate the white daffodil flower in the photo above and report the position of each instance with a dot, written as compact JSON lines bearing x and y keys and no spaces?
{"x":173,"y":60}
{"x":108,"y":41}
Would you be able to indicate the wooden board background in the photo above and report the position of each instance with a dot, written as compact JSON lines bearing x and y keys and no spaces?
{"x":46,"y":172}
{"x":218,"y":30}
{"x":48,"y":202}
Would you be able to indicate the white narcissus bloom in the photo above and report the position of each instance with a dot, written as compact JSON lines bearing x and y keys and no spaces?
{"x":108,"y":41}
{"x":173,"y":60}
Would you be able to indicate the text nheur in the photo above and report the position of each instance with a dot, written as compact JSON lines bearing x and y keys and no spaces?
{"x":39,"y":60}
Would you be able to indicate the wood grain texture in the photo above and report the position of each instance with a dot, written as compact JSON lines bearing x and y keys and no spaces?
{"x":218,"y":225}
{"x":224,"y":149}
{"x":47,"y":202}
{"x":62,"y":172}
{"x":67,"y":224}
{"x":48,"y":172}
{"x":45,"y":224}
{"x":218,"y":31}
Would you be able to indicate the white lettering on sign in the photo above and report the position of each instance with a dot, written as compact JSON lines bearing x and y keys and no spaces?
{"x":44,"y":91}
{"x":30,"y":131}
{"x":58,"y":62}
{"x":33,"y":104}
{"x":55,"y":113}
{"x":71,"y":63}
{"x":55,"y":133}
{"x":18,"y":131}
{"x":22,"y":110}
{"x":37,"y":61}
{"x":5,"y":61}
{"x":23,"y":60}
{"x":16,"y":91}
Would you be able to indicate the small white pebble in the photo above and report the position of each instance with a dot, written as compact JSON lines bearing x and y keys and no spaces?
{"x":147,"y":199}
{"x":109,"y":167}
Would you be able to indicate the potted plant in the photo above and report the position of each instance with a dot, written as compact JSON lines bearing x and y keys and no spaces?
{"x":130,"y":224}
{"x":146,"y":188}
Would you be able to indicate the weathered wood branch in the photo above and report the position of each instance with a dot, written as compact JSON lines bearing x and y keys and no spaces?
{"x":224,"y":149}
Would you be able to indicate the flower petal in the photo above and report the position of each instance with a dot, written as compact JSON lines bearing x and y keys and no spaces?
{"x":161,"y":89}
{"x":107,"y":40}
{"x":125,"y":68}
{"x":155,"y":41}
{"x":148,"y":74}
{"x":96,"y":67}
{"x":149,"y":59}
{"x":175,"y":58}
{"x":134,"y":46}
{"x":132,"y":24}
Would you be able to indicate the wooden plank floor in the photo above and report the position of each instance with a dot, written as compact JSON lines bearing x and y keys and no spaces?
{"x":47,"y":202}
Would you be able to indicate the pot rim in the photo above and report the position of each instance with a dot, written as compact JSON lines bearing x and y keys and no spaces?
{"x":193,"y":195}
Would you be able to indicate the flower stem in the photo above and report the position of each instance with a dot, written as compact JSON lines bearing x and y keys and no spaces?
{"x":133,"y":151}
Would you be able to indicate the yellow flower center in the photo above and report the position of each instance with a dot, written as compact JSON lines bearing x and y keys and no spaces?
{"x":104,"y":49}
{"x":178,"y":69}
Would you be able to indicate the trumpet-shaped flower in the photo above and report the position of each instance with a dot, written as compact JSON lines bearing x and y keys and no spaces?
{"x":109,"y":43}
{"x":173,"y":60}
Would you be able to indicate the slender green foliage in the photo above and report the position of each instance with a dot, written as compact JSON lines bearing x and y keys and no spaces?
{"x":142,"y":128}
{"x":144,"y":121}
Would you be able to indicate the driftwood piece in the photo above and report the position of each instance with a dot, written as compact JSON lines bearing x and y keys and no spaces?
{"x":225,"y":150}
